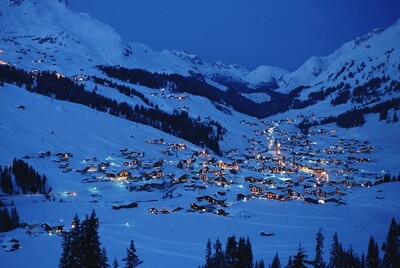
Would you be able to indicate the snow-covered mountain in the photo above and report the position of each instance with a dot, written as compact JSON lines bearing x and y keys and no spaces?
{"x":47,"y":35}
{"x":81,"y":105}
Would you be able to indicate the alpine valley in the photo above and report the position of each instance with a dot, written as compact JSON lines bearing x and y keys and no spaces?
{"x":170,"y":150}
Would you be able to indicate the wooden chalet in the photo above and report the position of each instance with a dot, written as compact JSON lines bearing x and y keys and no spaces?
{"x":201,"y":206}
{"x":211,"y":200}
{"x":311,"y":199}
{"x":256,"y":189}
{"x":275,"y":194}
{"x":123,"y":175}
{"x":58,"y":229}
{"x":243,"y":197}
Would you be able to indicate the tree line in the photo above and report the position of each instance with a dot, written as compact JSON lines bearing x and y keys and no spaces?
{"x":239,"y":254}
{"x":81,"y":247}
{"x":8,"y":220}
{"x":355,"y":117}
{"x":27,"y":179}
{"x":178,"y":123}
{"x":127,"y":91}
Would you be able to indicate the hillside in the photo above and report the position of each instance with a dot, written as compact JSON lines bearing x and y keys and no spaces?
{"x":205,"y":150}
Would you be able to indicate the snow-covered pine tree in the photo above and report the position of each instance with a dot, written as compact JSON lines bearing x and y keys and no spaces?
{"x":299,"y":260}
{"x":319,"y":254}
{"x":276,"y":263}
{"x":231,"y":251}
{"x":115,"y":263}
{"x":81,"y":246}
{"x":372,"y":260}
{"x":132,"y":260}
{"x":208,"y":255}
{"x":391,"y":247}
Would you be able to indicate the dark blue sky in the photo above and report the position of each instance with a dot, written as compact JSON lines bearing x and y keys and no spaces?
{"x":283,"y":33}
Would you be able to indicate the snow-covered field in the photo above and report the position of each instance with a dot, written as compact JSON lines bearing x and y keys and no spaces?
{"x":176,"y":239}
{"x":179,"y":239}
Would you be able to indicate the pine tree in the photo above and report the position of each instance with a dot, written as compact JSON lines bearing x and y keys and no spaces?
{"x":391,"y":247}
{"x":5,"y":220}
{"x":395,"y":118}
{"x":6,"y":181}
{"x":14,"y":218}
{"x":218,"y":257}
{"x":115,"y":263}
{"x":231,"y":252}
{"x":336,"y":253}
{"x":319,"y":254}
{"x":66,"y":253}
{"x":72,"y":245}
{"x":208,"y":255}
{"x":104,"y":258}
{"x":351,"y":259}
{"x":290,"y":262}
{"x":132,"y":260}
{"x":90,"y":239}
{"x":81,"y":246}
{"x":241,"y":252}
{"x":249,"y":254}
{"x":372,"y":260}
{"x":362,"y":261}
{"x":276,"y":263}
{"x":300,"y":258}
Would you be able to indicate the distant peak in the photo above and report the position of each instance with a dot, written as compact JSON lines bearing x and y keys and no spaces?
{"x":364,"y":38}
{"x":16,"y":2}
{"x":19,"y":2}
{"x":186,"y":55}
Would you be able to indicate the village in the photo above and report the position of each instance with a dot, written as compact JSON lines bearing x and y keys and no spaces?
{"x":279,"y":164}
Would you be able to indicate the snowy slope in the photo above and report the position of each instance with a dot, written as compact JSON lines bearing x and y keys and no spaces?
{"x":378,"y":46}
{"x":160,"y":240}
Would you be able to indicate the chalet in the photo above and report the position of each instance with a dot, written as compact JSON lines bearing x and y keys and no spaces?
{"x":364,"y":183}
{"x":90,"y":168}
{"x":144,"y":187}
{"x":292,"y":181}
{"x":177,"y":146}
{"x":221,"y":212}
{"x":211,"y":200}
{"x":243,"y":197}
{"x":255,"y":189}
{"x":221,"y":181}
{"x":156,"y":174}
{"x":156,"y":141}
{"x":223,"y":165}
{"x":253,"y":179}
{"x":270,"y":181}
{"x":342,"y":180}
{"x":155,"y":184}
{"x":158,"y":164}
{"x":201,"y":206}
{"x":195,"y":186}
{"x":275,"y":194}
{"x":102,"y":166}
{"x":324,"y":191}
{"x":53,"y":229}
{"x":123,"y":175}
{"x":333,"y":199}
{"x":311,"y":199}
{"x":181,"y":179}
{"x":295,"y":192}
{"x":64,"y":155}
{"x":153,"y":210}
